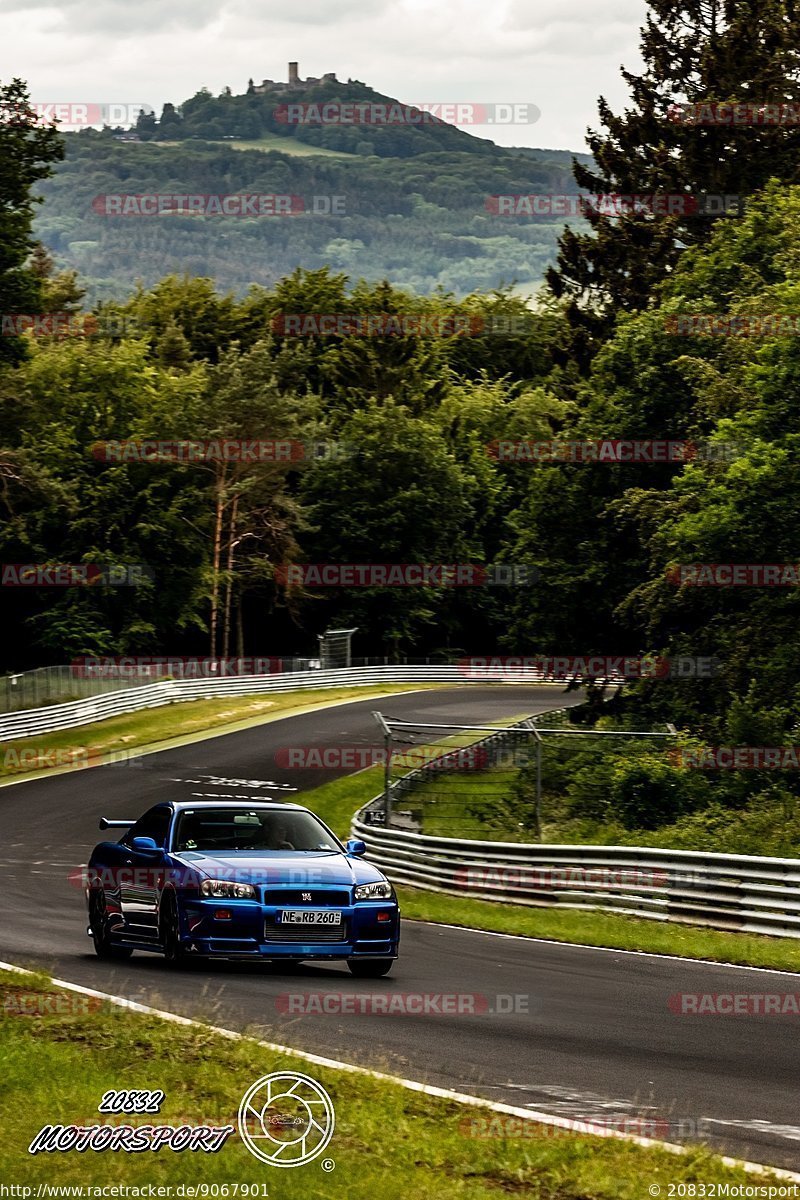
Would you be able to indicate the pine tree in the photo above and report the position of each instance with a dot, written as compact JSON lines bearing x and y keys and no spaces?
{"x":27,"y":151}
{"x":696,"y":52}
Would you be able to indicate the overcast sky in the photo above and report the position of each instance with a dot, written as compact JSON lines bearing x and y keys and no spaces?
{"x":557,"y":54}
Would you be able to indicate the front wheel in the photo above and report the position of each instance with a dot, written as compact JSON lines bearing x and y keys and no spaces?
{"x":370,"y":968}
{"x":100,"y":930}
{"x":169,"y":931}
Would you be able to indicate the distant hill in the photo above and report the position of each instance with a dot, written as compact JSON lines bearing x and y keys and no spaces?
{"x":265,"y":111}
{"x":413,"y":201}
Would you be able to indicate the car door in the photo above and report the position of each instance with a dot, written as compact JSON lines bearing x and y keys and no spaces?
{"x":140,"y":874}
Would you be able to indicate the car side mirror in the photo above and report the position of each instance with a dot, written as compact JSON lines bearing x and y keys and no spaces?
{"x":356,"y":847}
{"x":145,"y":845}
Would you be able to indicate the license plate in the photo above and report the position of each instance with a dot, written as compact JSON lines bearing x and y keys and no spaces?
{"x":309,"y":916}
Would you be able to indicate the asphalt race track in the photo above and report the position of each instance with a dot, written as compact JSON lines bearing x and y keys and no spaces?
{"x":593,"y":1036}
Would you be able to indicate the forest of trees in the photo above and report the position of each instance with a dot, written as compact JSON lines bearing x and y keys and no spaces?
{"x":608,"y":354}
{"x":423,"y":221}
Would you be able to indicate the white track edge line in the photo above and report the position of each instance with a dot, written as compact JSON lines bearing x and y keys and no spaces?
{"x":410,"y":1084}
{"x":523,"y":937}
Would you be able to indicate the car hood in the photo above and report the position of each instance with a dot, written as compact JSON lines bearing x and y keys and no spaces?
{"x":275,"y":867}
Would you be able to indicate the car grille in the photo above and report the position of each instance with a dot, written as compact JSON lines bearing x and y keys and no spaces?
{"x":296,"y":898}
{"x":274,"y":932}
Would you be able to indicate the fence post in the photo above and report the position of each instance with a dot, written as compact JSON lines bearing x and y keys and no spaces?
{"x":387,"y":769}
{"x":538,"y":788}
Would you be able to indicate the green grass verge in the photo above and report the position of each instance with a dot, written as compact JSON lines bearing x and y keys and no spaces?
{"x":603,"y":929}
{"x":336,"y":802}
{"x":388,"y":1142}
{"x":110,"y":740}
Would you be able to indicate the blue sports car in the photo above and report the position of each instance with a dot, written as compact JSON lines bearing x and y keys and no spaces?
{"x":228,"y":879}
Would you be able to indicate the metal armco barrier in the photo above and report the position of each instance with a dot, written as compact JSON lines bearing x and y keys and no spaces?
{"x":735,"y":892}
{"x":29,"y":722}
{"x":740,"y":893}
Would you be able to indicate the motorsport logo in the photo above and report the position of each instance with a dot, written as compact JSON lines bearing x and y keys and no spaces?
{"x":286,"y":1120}
{"x":129,"y":1138}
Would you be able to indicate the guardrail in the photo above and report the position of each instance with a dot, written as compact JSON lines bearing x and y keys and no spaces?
{"x":743,"y":893}
{"x":54,"y":717}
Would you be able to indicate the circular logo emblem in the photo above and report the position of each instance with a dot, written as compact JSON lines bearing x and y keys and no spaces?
{"x":286,"y":1119}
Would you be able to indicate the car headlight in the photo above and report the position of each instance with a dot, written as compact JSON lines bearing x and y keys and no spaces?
{"x":374,"y":891}
{"x":224,"y":889}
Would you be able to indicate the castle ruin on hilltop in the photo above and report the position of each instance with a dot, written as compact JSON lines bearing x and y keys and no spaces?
{"x":270,"y":85}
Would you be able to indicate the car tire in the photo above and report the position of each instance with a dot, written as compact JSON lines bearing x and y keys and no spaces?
{"x":169,"y":931}
{"x":104,"y":947}
{"x":370,"y":968}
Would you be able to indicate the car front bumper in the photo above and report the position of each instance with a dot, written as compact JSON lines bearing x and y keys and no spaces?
{"x":368,"y":929}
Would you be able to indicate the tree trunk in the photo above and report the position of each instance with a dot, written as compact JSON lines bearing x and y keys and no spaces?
{"x":226,"y":626}
{"x":219,"y":489}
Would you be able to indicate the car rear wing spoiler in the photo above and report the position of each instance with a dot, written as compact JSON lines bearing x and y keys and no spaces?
{"x":105,"y":823}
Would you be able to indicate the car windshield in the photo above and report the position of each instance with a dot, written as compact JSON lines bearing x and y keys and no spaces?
{"x":225,"y":829}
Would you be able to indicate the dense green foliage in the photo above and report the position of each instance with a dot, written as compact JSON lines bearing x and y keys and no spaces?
{"x":417,"y":415}
{"x":695,"y":53}
{"x":27,"y":153}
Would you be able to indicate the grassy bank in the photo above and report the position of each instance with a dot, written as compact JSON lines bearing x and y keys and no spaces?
{"x":388,"y":1141}
{"x":114,"y":738}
